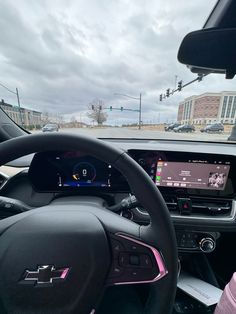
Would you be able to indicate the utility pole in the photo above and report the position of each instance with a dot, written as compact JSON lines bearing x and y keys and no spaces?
{"x":18,"y":101}
{"x":140,"y":112}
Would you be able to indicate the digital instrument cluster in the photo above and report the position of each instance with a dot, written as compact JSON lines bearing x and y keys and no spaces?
{"x":58,"y":171}
{"x":182,"y":173}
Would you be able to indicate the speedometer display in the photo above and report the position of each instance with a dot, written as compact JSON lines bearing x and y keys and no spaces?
{"x":80,"y":170}
{"x":84,"y":172}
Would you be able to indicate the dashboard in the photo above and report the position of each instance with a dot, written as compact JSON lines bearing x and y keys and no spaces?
{"x":196,"y":180}
{"x":172,"y":172}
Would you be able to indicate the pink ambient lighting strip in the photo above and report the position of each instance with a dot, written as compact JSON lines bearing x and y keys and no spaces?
{"x":159,"y":260}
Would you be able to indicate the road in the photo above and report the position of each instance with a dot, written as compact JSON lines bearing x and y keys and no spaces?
{"x":147,"y":134}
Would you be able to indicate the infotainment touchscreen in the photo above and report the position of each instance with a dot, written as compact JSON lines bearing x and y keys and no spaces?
{"x":192,"y":175}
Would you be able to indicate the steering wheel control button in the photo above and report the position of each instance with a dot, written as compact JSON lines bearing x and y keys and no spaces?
{"x":117,"y":247}
{"x":145,"y":261}
{"x":134,"y":262}
{"x":140,"y":274}
{"x":124,"y":259}
{"x":116,"y":270}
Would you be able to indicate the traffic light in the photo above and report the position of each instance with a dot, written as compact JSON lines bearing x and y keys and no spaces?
{"x":168,"y":92}
{"x":180,"y":83}
{"x":161,"y":97}
{"x":110,"y":108}
{"x":92,"y":107}
{"x":121,"y":108}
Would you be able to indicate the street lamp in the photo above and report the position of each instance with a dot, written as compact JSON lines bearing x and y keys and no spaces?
{"x":140,"y":105}
{"x":18,"y":99}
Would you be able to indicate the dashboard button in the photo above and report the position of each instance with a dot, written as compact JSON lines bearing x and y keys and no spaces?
{"x":183,"y":243}
{"x":185,"y":206}
{"x":207,"y":245}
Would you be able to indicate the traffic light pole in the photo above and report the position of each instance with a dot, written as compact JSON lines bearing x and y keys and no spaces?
{"x":181,"y":86}
{"x":140,"y":107}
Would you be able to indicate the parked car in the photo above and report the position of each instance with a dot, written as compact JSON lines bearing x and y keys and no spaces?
{"x":50,"y":127}
{"x":171,"y":126}
{"x":213,"y":128}
{"x":185,"y":128}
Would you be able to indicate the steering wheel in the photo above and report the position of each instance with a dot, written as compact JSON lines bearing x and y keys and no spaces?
{"x":60,"y":258}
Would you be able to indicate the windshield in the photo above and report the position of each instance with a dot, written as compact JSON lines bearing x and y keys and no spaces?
{"x":109,"y":69}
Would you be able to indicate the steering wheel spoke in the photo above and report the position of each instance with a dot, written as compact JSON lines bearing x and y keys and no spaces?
{"x":134,"y":262}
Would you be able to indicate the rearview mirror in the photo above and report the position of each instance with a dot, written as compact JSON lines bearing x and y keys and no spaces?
{"x":211,"y":50}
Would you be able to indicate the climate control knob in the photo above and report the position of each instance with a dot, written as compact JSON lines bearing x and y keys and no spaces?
{"x":207,"y":245}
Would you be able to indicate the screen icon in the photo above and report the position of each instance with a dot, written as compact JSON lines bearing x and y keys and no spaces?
{"x":158,"y":178}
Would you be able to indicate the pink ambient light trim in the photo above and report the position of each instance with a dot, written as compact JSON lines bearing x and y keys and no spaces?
{"x":64,"y":273}
{"x":159,"y":260}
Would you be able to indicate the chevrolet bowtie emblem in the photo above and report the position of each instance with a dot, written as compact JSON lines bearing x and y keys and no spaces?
{"x":46,"y":274}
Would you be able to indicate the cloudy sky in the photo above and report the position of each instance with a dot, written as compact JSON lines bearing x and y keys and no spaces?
{"x":62,"y":54}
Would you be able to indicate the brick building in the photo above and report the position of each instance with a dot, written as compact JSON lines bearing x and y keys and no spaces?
{"x":208,"y":108}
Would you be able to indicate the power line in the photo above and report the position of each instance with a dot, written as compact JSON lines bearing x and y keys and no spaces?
{"x":18,"y":99}
{"x":8,"y":89}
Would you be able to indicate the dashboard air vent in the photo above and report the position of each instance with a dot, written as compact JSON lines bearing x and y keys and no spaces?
{"x":205,"y":207}
{"x":171,"y":203}
{"x":211,"y":207}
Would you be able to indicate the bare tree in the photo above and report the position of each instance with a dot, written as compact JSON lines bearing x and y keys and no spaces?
{"x":73,"y":121}
{"x":96,"y":111}
{"x":61,"y":120}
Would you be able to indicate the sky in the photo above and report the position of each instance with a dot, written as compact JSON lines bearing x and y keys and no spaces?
{"x":63,"y":54}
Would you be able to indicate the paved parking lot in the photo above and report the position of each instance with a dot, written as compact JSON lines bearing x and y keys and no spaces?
{"x":147,"y":134}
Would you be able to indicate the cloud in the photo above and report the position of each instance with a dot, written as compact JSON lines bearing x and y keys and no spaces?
{"x":62,"y":54}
